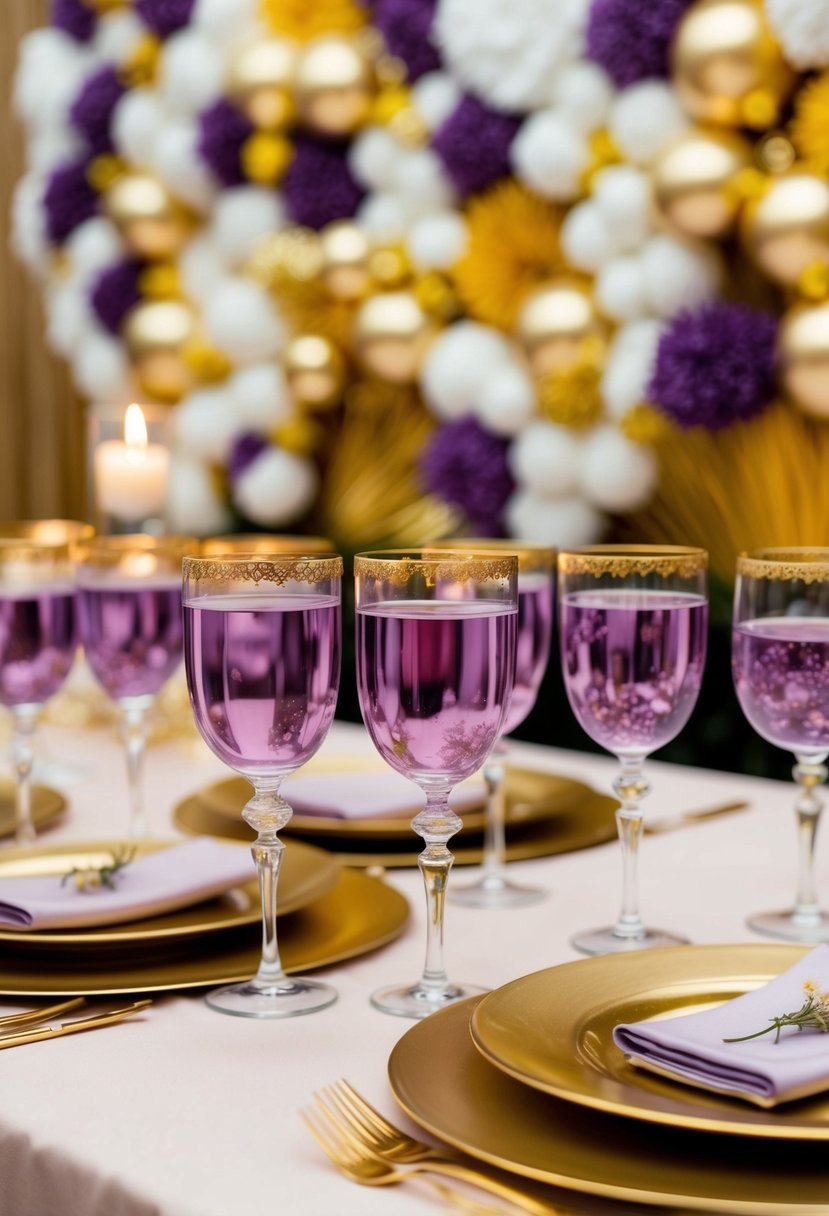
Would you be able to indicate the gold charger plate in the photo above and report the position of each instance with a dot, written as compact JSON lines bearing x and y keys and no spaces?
{"x":47,"y":806}
{"x":553,"y":1030}
{"x":449,"y":1089}
{"x":307,"y":873}
{"x":590,"y":822}
{"x":359,"y":915}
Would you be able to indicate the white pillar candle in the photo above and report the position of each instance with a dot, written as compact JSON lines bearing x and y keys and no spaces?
{"x":131,"y":476}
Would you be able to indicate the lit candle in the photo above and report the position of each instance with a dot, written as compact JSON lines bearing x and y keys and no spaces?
{"x":131,"y":476}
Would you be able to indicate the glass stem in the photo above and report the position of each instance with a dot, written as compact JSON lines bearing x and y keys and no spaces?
{"x":495,"y":844}
{"x":25,"y":721}
{"x":436,"y":824}
{"x":267,"y":812}
{"x":134,"y":737}
{"x":630,"y":788}
{"x":808,"y":775}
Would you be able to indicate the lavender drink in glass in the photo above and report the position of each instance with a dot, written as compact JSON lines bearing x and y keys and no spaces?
{"x":262,"y":655}
{"x":634,"y":624}
{"x":780,"y":664}
{"x":435,"y":668}
{"x":129,"y":613}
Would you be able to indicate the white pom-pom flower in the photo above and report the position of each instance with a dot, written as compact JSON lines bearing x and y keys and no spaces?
{"x":587,"y":238}
{"x":508,"y":52}
{"x":206,"y":425}
{"x":549,"y":154}
{"x":623,"y":196}
{"x":178,"y":164}
{"x":94,"y":245}
{"x":373,"y":158}
{"x":628,"y":368}
{"x":240,"y":319}
{"x":68,"y":318}
{"x":644,"y":119}
{"x":117,"y":35}
{"x":194,"y":507}
{"x":435,"y":96}
{"x":29,"y":239}
{"x":620,"y":288}
{"x":459,"y":364}
{"x":545,"y":460}
{"x":420,"y":180}
{"x":276,"y":488}
{"x":101,"y":369}
{"x":52,"y":146}
{"x":137,"y":121}
{"x":201,"y":267}
{"x":241,"y":218}
{"x":259,"y":397}
{"x":436,"y":242}
{"x":616,"y":474}
{"x":562,"y":522}
{"x":507,"y":401}
{"x":802,"y":26}
{"x":191,"y":72}
{"x":383,"y":216}
{"x":51,"y":69}
{"x":222,"y":20}
{"x":677,"y":275}
{"x":582,"y":93}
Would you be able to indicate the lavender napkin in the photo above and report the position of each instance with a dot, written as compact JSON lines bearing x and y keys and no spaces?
{"x":369,"y":795}
{"x":159,"y":882}
{"x":691,"y":1048}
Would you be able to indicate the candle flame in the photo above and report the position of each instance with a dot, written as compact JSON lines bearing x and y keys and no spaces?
{"x":135,"y":428}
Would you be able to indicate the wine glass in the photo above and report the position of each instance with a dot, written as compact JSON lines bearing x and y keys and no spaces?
{"x":264,"y":544}
{"x":536,"y":579}
{"x":37,"y":635}
{"x":129,"y":614}
{"x":435,"y":667}
{"x":262,"y":655}
{"x":633,"y":625}
{"x":780,"y":663}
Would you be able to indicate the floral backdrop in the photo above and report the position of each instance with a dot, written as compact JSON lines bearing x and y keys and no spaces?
{"x":548,"y":268}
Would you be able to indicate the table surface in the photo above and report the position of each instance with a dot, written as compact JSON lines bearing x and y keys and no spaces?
{"x":190,"y":1113}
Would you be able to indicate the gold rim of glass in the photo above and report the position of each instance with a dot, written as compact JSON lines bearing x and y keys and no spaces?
{"x":278,"y":569}
{"x":803,"y":563}
{"x":530,"y":556}
{"x":399,"y":565}
{"x":111,"y":550}
{"x":620,"y":561}
{"x":262,"y":544}
{"x":41,"y":539}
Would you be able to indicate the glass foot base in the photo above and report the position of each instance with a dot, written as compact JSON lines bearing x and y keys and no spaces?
{"x":606,"y":941}
{"x":415,"y":1001}
{"x":784,"y":925}
{"x":286,"y":1000}
{"x":495,"y":892}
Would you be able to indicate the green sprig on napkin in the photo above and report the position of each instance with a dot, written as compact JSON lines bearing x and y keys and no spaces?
{"x":813,"y":1014}
{"x":92,"y":878}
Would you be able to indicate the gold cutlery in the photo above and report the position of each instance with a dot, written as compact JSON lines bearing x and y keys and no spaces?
{"x":29,"y":1034}
{"x":32,"y":1016}
{"x":671,"y":822}
{"x":372,"y":1151}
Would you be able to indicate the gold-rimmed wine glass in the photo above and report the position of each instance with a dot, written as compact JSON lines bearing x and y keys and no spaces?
{"x":536,"y":589}
{"x":129,"y":613}
{"x":780,"y":664}
{"x":38,"y":635}
{"x":633,"y":625}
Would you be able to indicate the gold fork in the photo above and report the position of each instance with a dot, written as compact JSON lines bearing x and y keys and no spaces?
{"x":367,"y":1136}
{"x":35,"y":1034}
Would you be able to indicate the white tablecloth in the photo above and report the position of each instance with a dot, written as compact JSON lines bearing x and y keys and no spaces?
{"x":190,"y":1113}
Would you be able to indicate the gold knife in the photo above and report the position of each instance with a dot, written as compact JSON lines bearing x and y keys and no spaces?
{"x":43,"y":1014}
{"x":686,"y":818}
{"x":17,"y":1038}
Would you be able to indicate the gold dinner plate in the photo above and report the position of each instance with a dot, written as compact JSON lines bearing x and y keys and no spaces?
{"x":530,"y":796}
{"x":47,"y":806}
{"x":307,"y":873}
{"x":590,"y":822}
{"x":553,"y":1030}
{"x":449,"y":1089}
{"x":359,"y":915}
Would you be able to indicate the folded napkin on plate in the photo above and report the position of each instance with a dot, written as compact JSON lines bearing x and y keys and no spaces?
{"x":691,"y":1048}
{"x":368,"y":795}
{"x":158,"y":882}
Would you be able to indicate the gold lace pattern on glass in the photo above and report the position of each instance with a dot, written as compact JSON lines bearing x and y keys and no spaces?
{"x":786,"y":565}
{"x":278,"y":570}
{"x":454,"y":567}
{"x":665,"y":561}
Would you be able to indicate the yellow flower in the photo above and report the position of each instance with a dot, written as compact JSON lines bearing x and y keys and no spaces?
{"x":571,"y":397}
{"x":207,"y":363}
{"x":159,"y":281}
{"x":301,"y":436}
{"x":103,"y":170}
{"x":307,"y":19}
{"x":759,"y":109}
{"x":810,"y":125}
{"x":603,"y":152}
{"x":142,"y":65}
{"x":513,"y":245}
{"x":265,"y":156}
{"x":813,"y":281}
{"x":644,"y":424}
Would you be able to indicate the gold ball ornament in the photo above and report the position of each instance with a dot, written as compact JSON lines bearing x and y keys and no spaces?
{"x":691,"y":179}
{"x":314,"y":370}
{"x":346,"y":253}
{"x":786,"y":229}
{"x":392,"y":333}
{"x":333,"y":86}
{"x":803,"y":355}
{"x":261,"y":82}
{"x":150,"y":221}
{"x":727,"y":66}
{"x":557,"y":325}
{"x":157,"y":335}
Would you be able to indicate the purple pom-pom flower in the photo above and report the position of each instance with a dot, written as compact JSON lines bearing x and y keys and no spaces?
{"x":222,"y":131}
{"x":246,"y":448}
{"x":631,"y":39}
{"x":92,"y":109}
{"x":474,"y":144}
{"x":114,"y":293}
{"x":75,"y":18}
{"x":466,"y":465}
{"x":68,"y":200}
{"x":714,"y":366}
{"x":405,"y":26}
{"x":318,"y":186}
{"x":164,"y":17}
